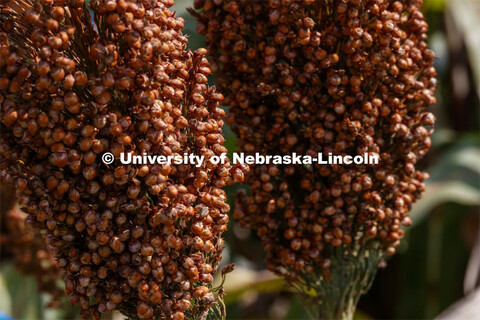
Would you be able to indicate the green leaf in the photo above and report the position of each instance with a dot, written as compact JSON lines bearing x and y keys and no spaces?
{"x":297,"y":309}
{"x":464,"y":15}
{"x":463,"y":156}
{"x":439,"y":193}
{"x":6,"y":300}
{"x":434,"y":5}
{"x":242,"y":281}
{"x":455,"y":178}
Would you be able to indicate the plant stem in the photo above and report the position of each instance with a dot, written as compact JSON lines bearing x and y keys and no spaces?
{"x":335,"y":295}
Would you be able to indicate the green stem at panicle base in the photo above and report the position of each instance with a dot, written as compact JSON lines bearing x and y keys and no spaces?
{"x":335,"y":296}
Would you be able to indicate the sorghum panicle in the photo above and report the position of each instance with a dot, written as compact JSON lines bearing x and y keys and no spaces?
{"x":78,"y":80}
{"x":333,"y":76}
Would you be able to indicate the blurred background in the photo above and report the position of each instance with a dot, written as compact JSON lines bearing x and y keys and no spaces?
{"x":438,"y":262}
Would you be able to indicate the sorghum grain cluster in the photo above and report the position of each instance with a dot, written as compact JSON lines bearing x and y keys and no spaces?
{"x":28,"y":251}
{"x":78,"y":80}
{"x":333,"y":76}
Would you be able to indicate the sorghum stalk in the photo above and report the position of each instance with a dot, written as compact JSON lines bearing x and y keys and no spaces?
{"x":80,"y":79}
{"x":333,"y":76}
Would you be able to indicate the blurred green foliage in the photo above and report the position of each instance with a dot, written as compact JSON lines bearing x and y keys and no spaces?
{"x":426,"y":275}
